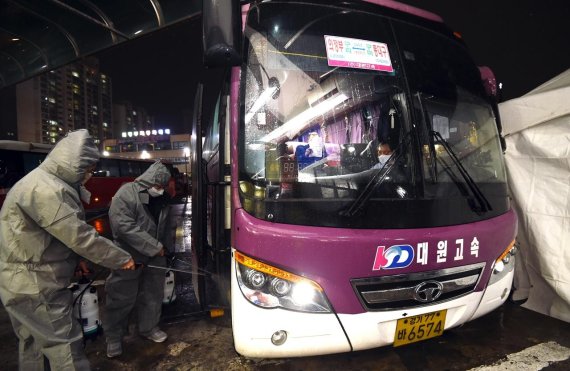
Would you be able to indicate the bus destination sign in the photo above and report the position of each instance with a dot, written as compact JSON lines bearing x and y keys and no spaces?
{"x":356,"y":53}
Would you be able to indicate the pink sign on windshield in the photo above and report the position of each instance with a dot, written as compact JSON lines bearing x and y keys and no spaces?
{"x":356,"y":53}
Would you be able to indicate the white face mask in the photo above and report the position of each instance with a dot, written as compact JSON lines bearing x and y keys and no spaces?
{"x":154,"y":192}
{"x":87,"y":177}
{"x":382,"y":159}
{"x":84,"y":194}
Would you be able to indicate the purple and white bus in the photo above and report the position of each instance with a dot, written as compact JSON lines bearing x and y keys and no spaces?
{"x":349,"y":189}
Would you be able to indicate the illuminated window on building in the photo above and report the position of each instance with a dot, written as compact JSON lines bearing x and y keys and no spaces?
{"x":146,"y":147}
{"x":163,"y":146}
{"x":128,"y":147}
{"x":179,"y":145}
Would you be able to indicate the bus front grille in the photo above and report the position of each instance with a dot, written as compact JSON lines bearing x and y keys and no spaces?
{"x":417,"y":289}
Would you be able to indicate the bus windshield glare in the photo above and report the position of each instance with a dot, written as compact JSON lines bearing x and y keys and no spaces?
{"x":410,"y":141}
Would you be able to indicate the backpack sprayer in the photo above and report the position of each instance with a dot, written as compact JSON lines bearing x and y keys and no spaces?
{"x":87,"y":312}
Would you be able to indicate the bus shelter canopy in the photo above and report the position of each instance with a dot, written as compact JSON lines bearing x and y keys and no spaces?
{"x":40,"y":35}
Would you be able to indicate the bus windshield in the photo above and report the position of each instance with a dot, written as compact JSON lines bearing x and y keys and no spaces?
{"x":344,"y":129}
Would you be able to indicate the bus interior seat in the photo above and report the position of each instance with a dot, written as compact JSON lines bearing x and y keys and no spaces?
{"x":354,"y":158}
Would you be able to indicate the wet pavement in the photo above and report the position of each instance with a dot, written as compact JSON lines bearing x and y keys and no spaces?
{"x":510,"y":338}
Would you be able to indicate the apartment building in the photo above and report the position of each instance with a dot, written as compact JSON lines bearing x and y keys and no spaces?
{"x":76,"y":96}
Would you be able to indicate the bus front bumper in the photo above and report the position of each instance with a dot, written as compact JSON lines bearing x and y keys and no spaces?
{"x":310,"y":334}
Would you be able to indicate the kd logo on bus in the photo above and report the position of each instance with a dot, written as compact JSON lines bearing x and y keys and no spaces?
{"x":393,"y":257}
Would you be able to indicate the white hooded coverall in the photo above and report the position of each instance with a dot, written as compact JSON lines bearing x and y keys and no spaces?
{"x":42,"y":232}
{"x":136,"y":231}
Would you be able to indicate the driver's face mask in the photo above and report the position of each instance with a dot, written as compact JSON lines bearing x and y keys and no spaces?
{"x":382,"y":159}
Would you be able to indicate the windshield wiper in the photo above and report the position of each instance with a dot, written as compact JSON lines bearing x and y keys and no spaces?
{"x":484,"y":204}
{"x":377,"y":179}
{"x":431,"y":161}
{"x":305,"y":27}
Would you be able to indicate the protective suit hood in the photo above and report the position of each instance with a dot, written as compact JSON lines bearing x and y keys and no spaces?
{"x":157,"y":173}
{"x":71,"y":157}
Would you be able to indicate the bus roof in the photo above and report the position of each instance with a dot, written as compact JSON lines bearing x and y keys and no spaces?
{"x":14,"y":145}
{"x":401,"y":7}
{"x":407,"y":9}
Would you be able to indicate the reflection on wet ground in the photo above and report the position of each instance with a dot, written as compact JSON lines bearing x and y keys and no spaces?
{"x":199,"y":343}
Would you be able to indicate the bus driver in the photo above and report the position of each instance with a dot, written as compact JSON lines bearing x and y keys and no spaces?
{"x":384,"y":152}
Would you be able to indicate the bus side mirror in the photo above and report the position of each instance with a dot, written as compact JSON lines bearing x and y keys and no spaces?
{"x":490,"y":84}
{"x":489,"y":80}
{"x":221,"y":33}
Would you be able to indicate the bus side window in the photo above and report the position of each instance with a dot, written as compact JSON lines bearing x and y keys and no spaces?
{"x":212,"y":140}
{"x":10,"y":173}
{"x":127,"y":168}
{"x":108,"y":167}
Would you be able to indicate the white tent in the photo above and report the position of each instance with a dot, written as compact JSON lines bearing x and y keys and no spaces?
{"x":536,"y":127}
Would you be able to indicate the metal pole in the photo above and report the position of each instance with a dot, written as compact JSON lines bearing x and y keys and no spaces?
{"x":186,"y":174}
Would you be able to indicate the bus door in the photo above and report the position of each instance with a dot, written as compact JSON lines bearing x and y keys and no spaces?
{"x":216,"y":158}
{"x":198,"y":237}
{"x":211,"y":202}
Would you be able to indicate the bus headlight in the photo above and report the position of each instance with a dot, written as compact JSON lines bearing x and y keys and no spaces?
{"x":279,"y":287}
{"x":270,"y":287}
{"x":254,"y":279}
{"x":504,"y":264}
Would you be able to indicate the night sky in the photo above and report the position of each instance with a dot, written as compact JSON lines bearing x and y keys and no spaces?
{"x":525,"y":42}
{"x":158,"y":72}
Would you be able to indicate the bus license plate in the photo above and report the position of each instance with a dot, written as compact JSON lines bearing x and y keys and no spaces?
{"x":420,"y":327}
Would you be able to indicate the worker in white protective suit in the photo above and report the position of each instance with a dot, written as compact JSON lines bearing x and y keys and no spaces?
{"x":42,"y":234}
{"x":139,"y":217}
